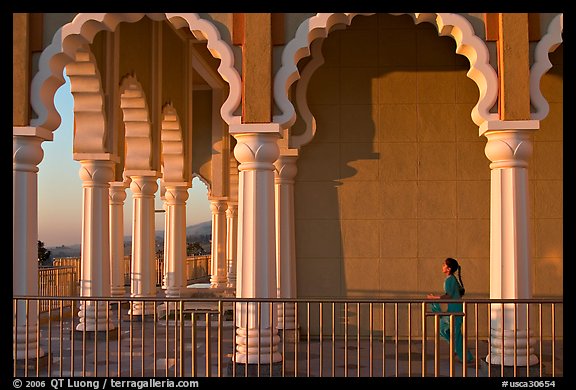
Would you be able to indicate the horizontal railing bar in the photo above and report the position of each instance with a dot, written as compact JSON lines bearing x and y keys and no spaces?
{"x":288,"y":300}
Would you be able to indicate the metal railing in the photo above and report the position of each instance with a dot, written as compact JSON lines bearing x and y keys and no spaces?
{"x":334,"y":338}
{"x":197,"y":267}
{"x":59,"y":281}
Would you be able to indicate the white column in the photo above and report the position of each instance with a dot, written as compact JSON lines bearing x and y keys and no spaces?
{"x":232,"y":242}
{"x":286,"y":170}
{"x":95,"y":252}
{"x":143,"y":275}
{"x":256,"y":278}
{"x":218,"y":251}
{"x":175,"y":254}
{"x":26,"y":155}
{"x":509,"y":147}
{"x":166,"y":227}
{"x":117,"y":198}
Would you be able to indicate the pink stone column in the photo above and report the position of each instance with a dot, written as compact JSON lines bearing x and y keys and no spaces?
{"x":143,"y":276}
{"x":95,"y":253}
{"x":175,"y":254}
{"x":509,"y":147}
{"x":218,"y":252}
{"x":286,"y":170}
{"x":231,"y":243}
{"x":117,"y":198}
{"x":27,"y":153}
{"x":256,"y":331}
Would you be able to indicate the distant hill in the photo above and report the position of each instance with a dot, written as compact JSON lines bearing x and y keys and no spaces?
{"x":200,"y":229}
{"x":200,"y":232}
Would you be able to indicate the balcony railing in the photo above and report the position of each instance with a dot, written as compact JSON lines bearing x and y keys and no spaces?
{"x":196,"y":268}
{"x":61,"y":281}
{"x":333,"y":338}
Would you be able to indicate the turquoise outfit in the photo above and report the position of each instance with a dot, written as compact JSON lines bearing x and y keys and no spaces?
{"x":452,"y":289}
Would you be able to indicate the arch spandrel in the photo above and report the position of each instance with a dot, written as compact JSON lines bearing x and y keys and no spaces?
{"x":81,"y":31}
{"x":320,"y":25}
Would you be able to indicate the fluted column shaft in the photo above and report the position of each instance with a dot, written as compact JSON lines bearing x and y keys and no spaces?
{"x":232,"y":242}
{"x":117,"y":194}
{"x":218,"y":251}
{"x":256,"y":333}
{"x":143,"y":275}
{"x":286,"y":170}
{"x":27,"y":153}
{"x":175,"y":254}
{"x":95,"y":252}
{"x":509,"y":149}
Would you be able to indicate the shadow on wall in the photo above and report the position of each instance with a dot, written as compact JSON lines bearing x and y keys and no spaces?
{"x":366,"y":99}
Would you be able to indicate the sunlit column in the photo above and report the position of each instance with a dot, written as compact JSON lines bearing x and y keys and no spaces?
{"x":218,"y":271}
{"x":509,"y":147}
{"x":117,"y":198}
{"x":166,"y":227}
{"x":95,"y":252}
{"x":232,"y":242}
{"x":175,"y":254}
{"x":143,"y":275}
{"x":256,"y":333}
{"x":26,"y":155}
{"x":286,"y":170}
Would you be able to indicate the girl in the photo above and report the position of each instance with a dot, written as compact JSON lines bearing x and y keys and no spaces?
{"x":454,"y":289}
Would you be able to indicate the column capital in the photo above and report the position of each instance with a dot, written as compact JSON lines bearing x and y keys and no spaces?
{"x":117,"y":193}
{"x":175,"y":194}
{"x":143,"y":186}
{"x":232,"y":210}
{"x":286,"y":169}
{"x":27,"y":152}
{"x":256,"y":151}
{"x":96,"y":172}
{"x":510,"y":148}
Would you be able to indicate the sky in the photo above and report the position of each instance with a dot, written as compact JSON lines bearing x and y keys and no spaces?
{"x":60,"y":187}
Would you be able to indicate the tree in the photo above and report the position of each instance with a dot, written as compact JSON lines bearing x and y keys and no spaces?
{"x":195,"y":249}
{"x":43,"y":254}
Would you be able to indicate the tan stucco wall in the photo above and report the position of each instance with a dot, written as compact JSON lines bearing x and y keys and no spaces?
{"x":396,"y":178}
{"x":546,"y":187}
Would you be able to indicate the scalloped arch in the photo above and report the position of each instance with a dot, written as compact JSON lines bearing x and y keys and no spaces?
{"x":89,"y":110}
{"x":138,"y":129}
{"x":542,"y":64}
{"x":72,"y":36}
{"x":172,"y":146}
{"x":454,"y":25}
{"x":205,"y":181}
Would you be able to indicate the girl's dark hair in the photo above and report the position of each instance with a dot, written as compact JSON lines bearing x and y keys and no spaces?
{"x":454,"y":266}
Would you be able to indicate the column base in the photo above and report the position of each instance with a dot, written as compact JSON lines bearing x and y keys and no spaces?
{"x":35,"y":351}
{"x":254,"y":370}
{"x":287,"y":316}
{"x":503,"y":346}
{"x":141,"y":308}
{"x":177,"y":292}
{"x":117,"y":291}
{"x":533,"y":370}
{"x":93,"y":315}
{"x":257,"y":346}
{"x":290,"y":335}
{"x":218,"y":283}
